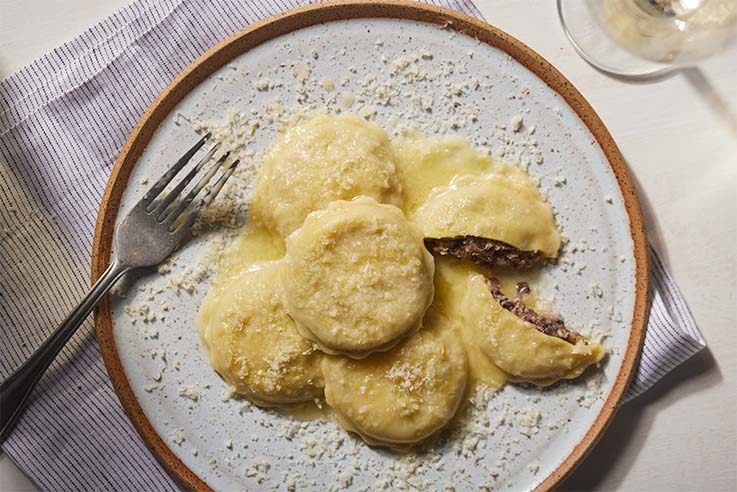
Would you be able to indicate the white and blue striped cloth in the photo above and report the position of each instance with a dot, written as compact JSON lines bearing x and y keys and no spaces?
{"x":63,"y":120}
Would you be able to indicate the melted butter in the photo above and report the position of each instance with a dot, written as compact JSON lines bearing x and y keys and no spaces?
{"x":428,"y":163}
{"x":254,"y":244}
{"x":423,"y":165}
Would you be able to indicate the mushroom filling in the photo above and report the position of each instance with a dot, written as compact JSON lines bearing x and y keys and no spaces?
{"x":549,"y":325}
{"x":489,"y":253}
{"x":484,"y":252}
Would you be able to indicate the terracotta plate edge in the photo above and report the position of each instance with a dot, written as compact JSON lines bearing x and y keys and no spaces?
{"x":303,"y":17}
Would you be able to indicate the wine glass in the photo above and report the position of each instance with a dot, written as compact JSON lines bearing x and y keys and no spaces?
{"x":644,"y":39}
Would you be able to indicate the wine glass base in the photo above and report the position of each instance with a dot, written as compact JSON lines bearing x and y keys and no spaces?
{"x":599,"y":50}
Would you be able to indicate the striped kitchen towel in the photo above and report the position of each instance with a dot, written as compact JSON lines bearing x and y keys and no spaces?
{"x":63,"y":120}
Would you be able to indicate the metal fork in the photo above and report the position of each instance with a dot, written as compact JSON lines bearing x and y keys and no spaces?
{"x":152,"y":230}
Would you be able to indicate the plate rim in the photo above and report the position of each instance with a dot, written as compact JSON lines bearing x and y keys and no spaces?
{"x":301,"y":17}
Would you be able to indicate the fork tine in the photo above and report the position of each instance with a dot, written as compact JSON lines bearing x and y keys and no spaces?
{"x":210,"y":195}
{"x":179,"y":208}
{"x":156,"y":189}
{"x":163,"y":204}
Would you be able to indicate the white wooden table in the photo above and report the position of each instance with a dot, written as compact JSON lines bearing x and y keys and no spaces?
{"x":679,"y":137}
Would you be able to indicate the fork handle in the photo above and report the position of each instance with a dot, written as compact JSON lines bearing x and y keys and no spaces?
{"x":15,"y":391}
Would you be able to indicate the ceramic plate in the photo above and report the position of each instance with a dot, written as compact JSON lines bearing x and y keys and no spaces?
{"x":402,"y":66}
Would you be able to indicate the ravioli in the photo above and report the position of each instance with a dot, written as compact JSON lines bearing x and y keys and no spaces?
{"x":325,"y":159}
{"x":504,"y":205}
{"x":357,"y":277}
{"x":517,"y":347}
{"x":253,"y":343}
{"x":402,"y":396}
{"x":331,"y":288}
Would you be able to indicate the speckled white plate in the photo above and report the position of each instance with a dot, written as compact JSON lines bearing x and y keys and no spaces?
{"x":466,"y":78}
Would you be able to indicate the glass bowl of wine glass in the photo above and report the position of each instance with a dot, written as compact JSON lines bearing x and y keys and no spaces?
{"x":647,"y":38}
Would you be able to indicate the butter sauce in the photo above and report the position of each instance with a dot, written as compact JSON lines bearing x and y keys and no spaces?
{"x":426,"y":170}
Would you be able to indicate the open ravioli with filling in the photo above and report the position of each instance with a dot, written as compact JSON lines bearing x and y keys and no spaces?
{"x":504,"y":205}
{"x":517,"y":346}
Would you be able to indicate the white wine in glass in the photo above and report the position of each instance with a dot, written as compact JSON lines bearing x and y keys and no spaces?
{"x":647,"y":37}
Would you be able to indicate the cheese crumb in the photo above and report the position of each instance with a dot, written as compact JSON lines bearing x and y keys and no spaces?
{"x":517,"y":123}
{"x":301,"y":72}
{"x":178,"y":437}
{"x":346,"y":99}
{"x":327,"y":84}
{"x":367,"y":112}
{"x":189,"y":392}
